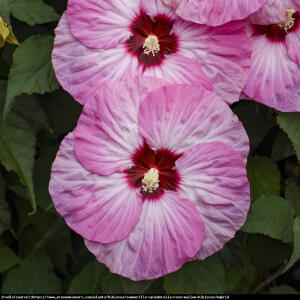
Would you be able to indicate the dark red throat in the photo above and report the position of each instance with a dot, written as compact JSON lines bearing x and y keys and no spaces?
{"x":143,"y":26}
{"x":163,"y":160}
{"x":273,"y":32}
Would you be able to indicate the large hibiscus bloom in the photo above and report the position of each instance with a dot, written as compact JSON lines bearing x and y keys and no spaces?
{"x":152,"y":179}
{"x":274,"y":78}
{"x":214,"y":12}
{"x":101,"y":41}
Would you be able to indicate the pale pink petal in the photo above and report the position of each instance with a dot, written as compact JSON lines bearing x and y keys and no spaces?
{"x":274,"y":11}
{"x":169,"y":233}
{"x":157,"y":7}
{"x":293,"y":45}
{"x":173,"y":3}
{"x":214,"y":12}
{"x":107,"y":134}
{"x":274,"y":78}
{"x":214,"y":177}
{"x":81,"y":70}
{"x":180,"y":70}
{"x":100,"y":208}
{"x":182,"y":116}
{"x":224,"y":54}
{"x":101,"y":24}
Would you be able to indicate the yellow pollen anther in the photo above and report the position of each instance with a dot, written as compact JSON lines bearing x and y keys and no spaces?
{"x":289,"y":22}
{"x":150,"y":181}
{"x":151,"y":45}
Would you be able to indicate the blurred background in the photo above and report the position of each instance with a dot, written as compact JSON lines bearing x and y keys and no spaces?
{"x":40,"y":254}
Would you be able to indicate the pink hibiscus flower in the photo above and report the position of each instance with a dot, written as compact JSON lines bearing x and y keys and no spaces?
{"x":214,"y":12}
{"x":112,"y":40}
{"x":153,"y":178}
{"x":274,"y":78}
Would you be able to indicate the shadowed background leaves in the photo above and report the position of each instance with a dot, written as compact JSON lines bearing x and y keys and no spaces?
{"x":40,"y":254}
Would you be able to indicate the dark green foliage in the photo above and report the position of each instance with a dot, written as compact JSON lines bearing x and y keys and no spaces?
{"x":263,"y":175}
{"x":198,"y":277}
{"x":272,"y":216}
{"x":35,"y":275}
{"x":40,"y":254}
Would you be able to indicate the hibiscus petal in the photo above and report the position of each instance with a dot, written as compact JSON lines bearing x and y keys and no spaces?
{"x":180,"y":69}
{"x":214,"y":177}
{"x":169,"y":233}
{"x":274,"y":11}
{"x":107,"y":134}
{"x":293,"y":45}
{"x":274,"y":78}
{"x":214,"y":12}
{"x":179,"y":117}
{"x":81,"y":71}
{"x":223,"y":52}
{"x":157,"y":7}
{"x":101,"y":24}
{"x":101,"y":209}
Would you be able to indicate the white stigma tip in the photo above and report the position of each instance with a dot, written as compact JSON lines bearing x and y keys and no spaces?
{"x":150,"y":181}
{"x":151,"y":45}
{"x":289,"y":22}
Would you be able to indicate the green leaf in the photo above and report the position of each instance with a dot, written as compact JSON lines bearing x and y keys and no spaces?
{"x":233,"y":253}
{"x":17,"y":150}
{"x":197,"y":277}
{"x":111,"y":284}
{"x":135,"y":287}
{"x":283,"y":289}
{"x":99,"y":277}
{"x":32,"y":71}
{"x":292,"y":194}
{"x":256,"y":119}
{"x":8,"y":258}
{"x":5,"y":220}
{"x":59,"y":250}
{"x":277,"y":251}
{"x":4,"y":68}
{"x":64,"y":119}
{"x":241,"y":274}
{"x":282,"y":147}
{"x":42,"y":173}
{"x":272,"y":216}
{"x":116,"y":284}
{"x":296,"y":252}
{"x":35,"y":275}
{"x":5,"y":7}
{"x":15,"y":186}
{"x":88,"y":280}
{"x":29,"y":108}
{"x":290,"y":123}
{"x":264,"y":177}
{"x":241,"y":281}
{"x":33,"y":11}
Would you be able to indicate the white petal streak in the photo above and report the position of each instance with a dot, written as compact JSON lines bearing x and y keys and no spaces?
{"x":223,"y":52}
{"x":293,"y":45}
{"x":101,"y":24}
{"x":100,"y":208}
{"x":169,"y":233}
{"x":81,"y":70}
{"x":214,"y":177}
{"x":274,"y":78}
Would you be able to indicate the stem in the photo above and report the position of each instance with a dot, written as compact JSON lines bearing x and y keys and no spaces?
{"x":270,"y":279}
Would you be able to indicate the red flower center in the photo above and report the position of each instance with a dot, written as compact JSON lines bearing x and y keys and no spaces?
{"x":151,"y":40}
{"x":153,"y":171}
{"x":277,"y":32}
